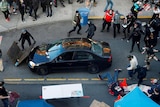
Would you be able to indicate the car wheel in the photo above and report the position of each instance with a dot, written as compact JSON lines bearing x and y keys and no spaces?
{"x":42,"y":71}
{"x":93,"y":69}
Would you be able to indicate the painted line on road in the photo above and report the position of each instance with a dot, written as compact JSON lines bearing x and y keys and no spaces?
{"x":34,"y":79}
{"x":56,"y":79}
{"x":101,"y":17}
{"x":59,"y":79}
{"x":13,"y":79}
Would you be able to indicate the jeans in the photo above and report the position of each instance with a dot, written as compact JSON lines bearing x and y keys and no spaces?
{"x":111,"y":79}
{"x":109,"y":3}
{"x":5,"y":102}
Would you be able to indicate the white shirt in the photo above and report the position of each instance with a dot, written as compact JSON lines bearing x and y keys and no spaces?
{"x":133,"y":63}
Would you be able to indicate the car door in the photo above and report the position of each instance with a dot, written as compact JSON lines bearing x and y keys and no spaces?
{"x":63,"y":61}
{"x":82,"y":58}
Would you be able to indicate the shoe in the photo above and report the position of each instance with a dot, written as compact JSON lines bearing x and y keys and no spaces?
{"x":129,"y":78}
{"x":119,"y":70}
{"x":79,"y":33}
{"x":131,"y":51}
{"x":7,"y":20}
{"x":101,"y":30}
{"x":68,"y":34}
{"x":99,"y":76}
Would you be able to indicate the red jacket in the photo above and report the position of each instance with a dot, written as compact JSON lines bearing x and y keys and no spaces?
{"x":108,"y":17}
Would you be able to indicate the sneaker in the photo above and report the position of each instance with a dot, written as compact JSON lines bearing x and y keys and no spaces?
{"x":68,"y":34}
{"x":79,"y":33}
{"x":99,"y":76}
{"x":7,"y":20}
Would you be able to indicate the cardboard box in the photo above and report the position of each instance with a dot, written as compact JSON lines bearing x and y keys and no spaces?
{"x":96,"y":103}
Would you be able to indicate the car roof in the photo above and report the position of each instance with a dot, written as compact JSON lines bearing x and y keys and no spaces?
{"x":68,"y":44}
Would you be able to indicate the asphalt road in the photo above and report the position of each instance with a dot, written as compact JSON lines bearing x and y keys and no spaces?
{"x":54,"y":31}
{"x":17,"y":78}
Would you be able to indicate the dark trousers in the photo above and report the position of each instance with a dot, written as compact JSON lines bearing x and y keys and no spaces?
{"x":74,"y":28}
{"x":23,"y":41}
{"x":61,"y":1}
{"x":5,"y":102}
{"x":104,"y":25}
{"x":133,"y":43}
{"x":49,"y":10}
{"x":6,"y":14}
{"x":116,"y":27}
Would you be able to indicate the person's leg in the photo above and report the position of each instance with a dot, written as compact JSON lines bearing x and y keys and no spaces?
{"x":22,"y":44}
{"x":79,"y":26}
{"x":130,"y":73}
{"x":29,"y":41}
{"x":103,"y":25}
{"x":115,"y":77}
{"x":114,"y":30}
{"x":109,"y":77}
{"x":50,"y":6}
{"x":133,"y":42}
{"x":5,"y":102}
{"x":109,"y":24}
{"x":5,"y":15}
{"x":107,"y":4}
{"x":138,"y":45}
{"x":74,"y":28}
{"x":118,"y":28}
{"x":111,"y":4}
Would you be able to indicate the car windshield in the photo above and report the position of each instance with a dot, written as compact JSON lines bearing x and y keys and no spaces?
{"x":96,"y":48}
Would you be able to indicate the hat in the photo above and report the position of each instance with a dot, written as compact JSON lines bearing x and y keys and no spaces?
{"x":154,"y":81}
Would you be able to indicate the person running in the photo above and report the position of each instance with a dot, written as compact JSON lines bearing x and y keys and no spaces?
{"x":76,"y":23}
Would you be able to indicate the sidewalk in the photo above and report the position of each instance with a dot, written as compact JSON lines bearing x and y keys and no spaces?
{"x":66,"y":13}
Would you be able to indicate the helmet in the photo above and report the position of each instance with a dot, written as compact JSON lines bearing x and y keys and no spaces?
{"x":23,"y":30}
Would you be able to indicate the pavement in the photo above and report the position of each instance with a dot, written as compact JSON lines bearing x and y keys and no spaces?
{"x":66,"y":13}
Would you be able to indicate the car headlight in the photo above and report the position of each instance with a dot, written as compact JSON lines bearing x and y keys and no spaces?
{"x":32,"y":64}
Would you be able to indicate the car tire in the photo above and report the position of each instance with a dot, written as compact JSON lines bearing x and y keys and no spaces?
{"x":93,"y":69}
{"x":42,"y":71}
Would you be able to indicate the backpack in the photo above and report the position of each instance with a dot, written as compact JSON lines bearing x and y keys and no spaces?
{"x":142,"y":72}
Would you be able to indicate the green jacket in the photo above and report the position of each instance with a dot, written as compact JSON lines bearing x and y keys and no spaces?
{"x":4,"y":5}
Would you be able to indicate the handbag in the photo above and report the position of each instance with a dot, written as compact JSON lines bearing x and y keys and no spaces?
{"x":74,"y":22}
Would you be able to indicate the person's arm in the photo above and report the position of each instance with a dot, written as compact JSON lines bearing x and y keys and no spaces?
{"x":3,"y":97}
{"x":30,"y":35}
{"x":20,"y":38}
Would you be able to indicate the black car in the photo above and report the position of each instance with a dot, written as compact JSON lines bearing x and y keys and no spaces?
{"x":70,"y":53}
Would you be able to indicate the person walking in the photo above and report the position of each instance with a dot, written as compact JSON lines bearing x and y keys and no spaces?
{"x":133,"y":65}
{"x":109,"y":3}
{"x":107,"y":19}
{"x":91,"y":29}
{"x":25,"y":36}
{"x":142,"y":72}
{"x":4,"y":95}
{"x":116,"y":23}
{"x":76,"y":22}
{"x":5,"y":10}
{"x":22,"y":7}
{"x":49,"y":7}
